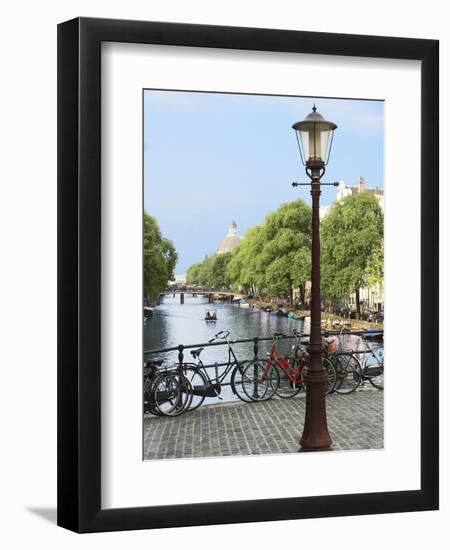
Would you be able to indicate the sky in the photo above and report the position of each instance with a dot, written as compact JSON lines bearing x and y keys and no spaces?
{"x":210,"y":157}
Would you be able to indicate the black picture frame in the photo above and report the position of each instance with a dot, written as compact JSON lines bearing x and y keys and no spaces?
{"x":79,"y":273}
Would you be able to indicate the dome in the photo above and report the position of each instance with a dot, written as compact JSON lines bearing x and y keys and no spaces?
{"x":230,"y":241}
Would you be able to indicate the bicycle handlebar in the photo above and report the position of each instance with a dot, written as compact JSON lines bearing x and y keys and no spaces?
{"x":218,"y":336}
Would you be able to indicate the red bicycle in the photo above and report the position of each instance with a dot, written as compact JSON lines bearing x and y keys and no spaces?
{"x":283,"y":375}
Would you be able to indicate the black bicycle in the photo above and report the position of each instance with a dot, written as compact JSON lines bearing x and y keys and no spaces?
{"x":166,"y":392}
{"x":203,"y":384}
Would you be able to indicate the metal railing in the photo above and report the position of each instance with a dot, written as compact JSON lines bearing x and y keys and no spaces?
{"x":181,"y":347}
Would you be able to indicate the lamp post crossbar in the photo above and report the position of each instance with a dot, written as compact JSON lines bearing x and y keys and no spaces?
{"x":333,"y":183}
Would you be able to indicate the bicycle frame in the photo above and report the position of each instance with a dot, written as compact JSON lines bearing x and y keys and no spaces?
{"x":232,"y":362}
{"x":295,"y":374}
{"x":371,"y":352}
{"x":368,"y":351}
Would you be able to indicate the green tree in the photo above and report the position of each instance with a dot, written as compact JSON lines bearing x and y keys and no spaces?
{"x":286,"y":254}
{"x":352,"y":246}
{"x":245,"y":270}
{"x":375,"y":269}
{"x":160,"y":258}
{"x":193,"y":274}
{"x":211,"y":272}
{"x":218,"y":274}
{"x":205,"y":272}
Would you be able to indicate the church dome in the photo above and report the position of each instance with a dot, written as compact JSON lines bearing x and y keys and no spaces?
{"x":230,"y":241}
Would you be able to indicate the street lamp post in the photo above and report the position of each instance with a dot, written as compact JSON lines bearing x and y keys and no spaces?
{"x":314,"y":138}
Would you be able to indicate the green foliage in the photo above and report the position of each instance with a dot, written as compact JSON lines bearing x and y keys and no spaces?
{"x":375,"y":269}
{"x":160,"y":258}
{"x":286,"y":254}
{"x":245,"y":269}
{"x":352,"y":245}
{"x":218,"y":270}
{"x":271,"y":258}
{"x":193,"y":274}
{"x":211,"y":273}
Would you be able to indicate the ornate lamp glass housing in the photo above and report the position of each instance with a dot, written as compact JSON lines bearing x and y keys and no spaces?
{"x":314,"y":138}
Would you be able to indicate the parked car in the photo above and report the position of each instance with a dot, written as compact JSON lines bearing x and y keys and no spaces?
{"x":346,"y":312}
{"x":380,"y":317}
{"x":368,"y":315}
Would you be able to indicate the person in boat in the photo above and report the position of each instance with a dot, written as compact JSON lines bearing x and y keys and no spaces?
{"x":210,"y":316}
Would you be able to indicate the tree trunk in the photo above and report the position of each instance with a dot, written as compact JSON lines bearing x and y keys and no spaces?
{"x":302,"y":293}
{"x":291,"y":296}
{"x":358,"y":305}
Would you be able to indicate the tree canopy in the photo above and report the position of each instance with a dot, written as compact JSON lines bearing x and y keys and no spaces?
{"x":352,"y":246}
{"x":160,"y":258}
{"x":286,"y":253}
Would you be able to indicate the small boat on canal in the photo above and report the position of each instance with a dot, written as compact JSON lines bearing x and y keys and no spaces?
{"x":210,"y":315}
{"x":374,"y":335}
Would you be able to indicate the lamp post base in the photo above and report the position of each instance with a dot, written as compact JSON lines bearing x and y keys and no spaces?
{"x":315,"y":435}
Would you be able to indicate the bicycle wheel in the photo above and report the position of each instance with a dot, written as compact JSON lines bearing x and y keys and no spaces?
{"x":286,"y":387}
{"x":198,"y":381}
{"x":378,"y":381}
{"x":149,"y":404}
{"x":374,"y":370}
{"x":236,"y":382}
{"x":171,"y":393}
{"x":331,"y":376}
{"x":260,"y":381}
{"x":348,"y":373}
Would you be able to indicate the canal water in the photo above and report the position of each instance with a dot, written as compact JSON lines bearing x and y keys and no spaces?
{"x":173,"y":324}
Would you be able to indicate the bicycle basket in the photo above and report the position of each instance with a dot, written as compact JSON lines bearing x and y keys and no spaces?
{"x":332,"y":345}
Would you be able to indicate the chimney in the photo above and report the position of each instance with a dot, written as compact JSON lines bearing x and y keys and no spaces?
{"x":361,"y":184}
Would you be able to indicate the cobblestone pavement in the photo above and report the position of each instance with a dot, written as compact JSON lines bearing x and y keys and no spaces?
{"x":355,"y":421}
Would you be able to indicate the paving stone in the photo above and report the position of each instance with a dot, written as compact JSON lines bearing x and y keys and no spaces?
{"x":355,"y":421}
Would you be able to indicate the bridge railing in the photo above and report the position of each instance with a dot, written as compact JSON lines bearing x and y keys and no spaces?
{"x":304,"y":339}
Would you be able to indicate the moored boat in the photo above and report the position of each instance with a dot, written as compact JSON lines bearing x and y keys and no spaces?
{"x":148,"y":311}
{"x":293,"y":315}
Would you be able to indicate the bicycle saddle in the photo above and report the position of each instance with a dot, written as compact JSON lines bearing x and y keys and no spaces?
{"x":196,"y":352}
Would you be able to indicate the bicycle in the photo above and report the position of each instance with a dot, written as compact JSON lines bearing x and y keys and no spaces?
{"x":283,"y":376}
{"x":171,"y":393}
{"x":151,"y":371}
{"x":346,"y":365}
{"x":203,"y":385}
{"x":352,"y":372}
{"x":372,"y":364}
{"x":166,"y":393}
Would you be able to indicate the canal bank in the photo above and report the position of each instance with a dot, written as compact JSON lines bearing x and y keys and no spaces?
{"x":327,"y":317}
